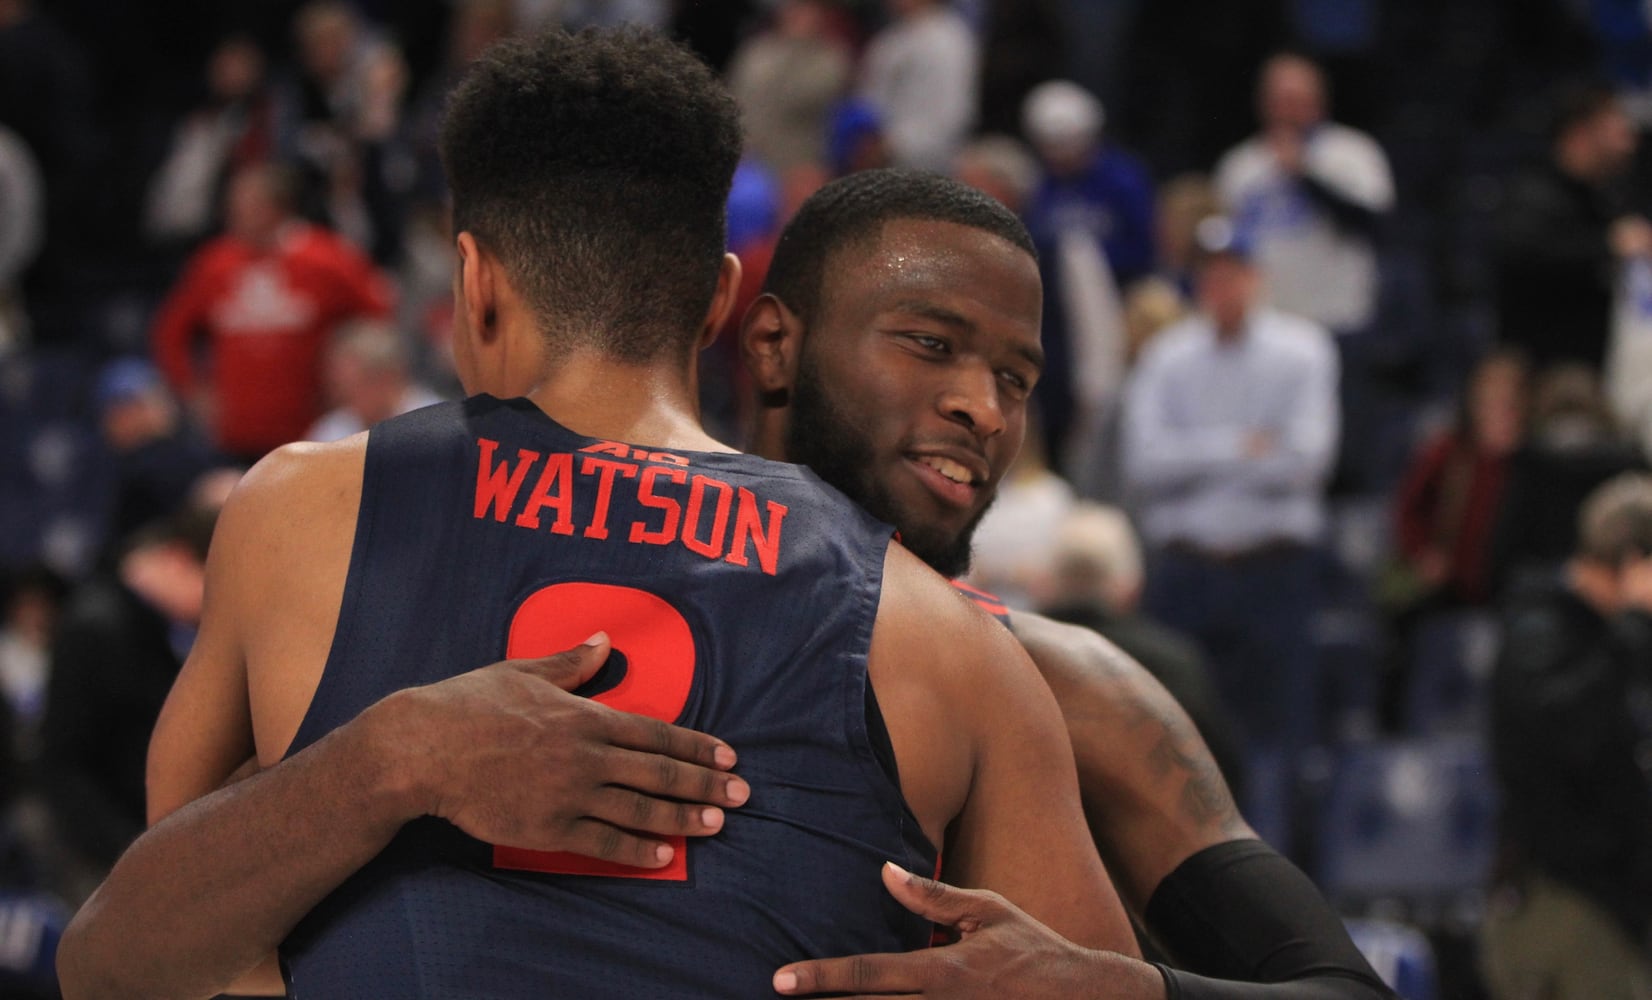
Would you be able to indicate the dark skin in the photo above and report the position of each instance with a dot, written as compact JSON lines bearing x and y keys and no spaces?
{"x":891,"y":361}
{"x":217,"y":884}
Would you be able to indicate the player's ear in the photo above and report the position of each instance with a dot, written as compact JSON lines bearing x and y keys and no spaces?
{"x":477,"y":294}
{"x":771,"y":341}
{"x":723,"y":300}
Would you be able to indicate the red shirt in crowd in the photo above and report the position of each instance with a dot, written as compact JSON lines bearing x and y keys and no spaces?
{"x":265,"y":316}
{"x":1448,"y":503}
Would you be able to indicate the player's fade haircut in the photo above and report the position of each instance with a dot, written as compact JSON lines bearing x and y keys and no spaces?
{"x":596,"y":167}
{"x":852,"y":211}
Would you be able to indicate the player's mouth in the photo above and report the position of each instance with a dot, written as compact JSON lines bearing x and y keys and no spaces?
{"x":955,"y":479}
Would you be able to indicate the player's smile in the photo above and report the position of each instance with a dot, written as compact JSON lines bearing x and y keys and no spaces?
{"x":956,"y":477}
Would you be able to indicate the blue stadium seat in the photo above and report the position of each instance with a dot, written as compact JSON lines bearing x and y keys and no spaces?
{"x":1410,"y":820}
{"x":1451,"y":663}
{"x":1400,"y":954}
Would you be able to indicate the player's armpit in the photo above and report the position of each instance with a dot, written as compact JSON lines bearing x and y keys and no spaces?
{"x":1021,"y":829}
{"x":1152,"y":791}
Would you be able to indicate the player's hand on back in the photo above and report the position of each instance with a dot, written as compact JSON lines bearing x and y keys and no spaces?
{"x":507,"y":754}
{"x":1000,"y":952}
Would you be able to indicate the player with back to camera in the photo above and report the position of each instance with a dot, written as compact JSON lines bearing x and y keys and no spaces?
{"x":579,"y":497}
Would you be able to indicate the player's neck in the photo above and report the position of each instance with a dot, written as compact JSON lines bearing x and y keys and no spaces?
{"x":652,"y":404}
{"x":768,"y":435}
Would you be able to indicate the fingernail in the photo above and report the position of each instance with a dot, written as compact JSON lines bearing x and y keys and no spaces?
{"x":723,"y":757}
{"x":905,"y":876}
{"x":662,"y":853}
{"x":596,"y":640}
{"x":738,"y":792}
{"x":785,"y":982}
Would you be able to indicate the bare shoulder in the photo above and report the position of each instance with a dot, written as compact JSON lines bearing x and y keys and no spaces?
{"x":287,"y":534}
{"x":935,"y":658}
{"x":985,"y":699}
{"x":1151,"y":787}
{"x":301,"y":478}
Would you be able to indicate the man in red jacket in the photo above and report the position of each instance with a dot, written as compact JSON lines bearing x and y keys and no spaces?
{"x":264,"y":296}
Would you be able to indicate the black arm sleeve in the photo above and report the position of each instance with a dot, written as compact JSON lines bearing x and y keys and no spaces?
{"x":1239,"y":911}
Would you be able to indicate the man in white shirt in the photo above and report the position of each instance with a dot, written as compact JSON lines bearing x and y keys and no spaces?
{"x":1307,"y":193}
{"x":922,"y":74}
{"x":1230,"y":430}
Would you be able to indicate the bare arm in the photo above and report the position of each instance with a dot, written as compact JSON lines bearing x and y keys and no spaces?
{"x":215,"y":886}
{"x":504,"y":752}
{"x":1021,"y":830}
{"x":1210,"y":892}
{"x":1153,"y":793}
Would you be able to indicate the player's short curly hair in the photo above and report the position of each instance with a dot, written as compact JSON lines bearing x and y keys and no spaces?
{"x":596,"y":166}
{"x":852,"y":210}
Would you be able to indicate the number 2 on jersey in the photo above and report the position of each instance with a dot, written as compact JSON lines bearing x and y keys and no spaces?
{"x":659,"y":653}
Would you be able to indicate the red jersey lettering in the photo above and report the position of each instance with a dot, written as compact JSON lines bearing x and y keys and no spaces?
{"x":648,"y":498}
{"x":712,"y":547}
{"x":605,"y":469}
{"x":750,"y":530}
{"x":557,"y":475}
{"x":497,"y":485}
{"x":658,"y":648}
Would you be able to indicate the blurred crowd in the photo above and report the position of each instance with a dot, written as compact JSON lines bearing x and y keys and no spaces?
{"x":1348,"y":311}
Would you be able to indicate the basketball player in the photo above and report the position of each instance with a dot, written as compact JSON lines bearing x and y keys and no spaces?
{"x":393,"y":841}
{"x":870,"y":335}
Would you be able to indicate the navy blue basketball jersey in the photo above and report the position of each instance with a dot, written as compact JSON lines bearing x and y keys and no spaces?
{"x":740,"y":596}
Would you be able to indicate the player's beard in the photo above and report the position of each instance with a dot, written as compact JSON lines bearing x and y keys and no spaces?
{"x":824,"y":437}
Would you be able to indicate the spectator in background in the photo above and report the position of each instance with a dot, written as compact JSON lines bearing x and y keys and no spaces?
{"x":855,"y":140}
{"x":114,"y":656}
{"x":1184,"y":201}
{"x":1572,"y":446}
{"x":1092,"y":220}
{"x":348,"y":136}
{"x":1563,"y":229}
{"x":1097,"y":583}
{"x":22,"y":230}
{"x":922,"y":74}
{"x":264,"y":296}
{"x":32,"y":600}
{"x":786,"y":80}
{"x":1230,"y":424}
{"x":1308,"y":194}
{"x":1448,"y":503}
{"x":998,"y":165}
{"x":1445,"y":518}
{"x":1014,"y":548}
{"x":369,"y":376}
{"x":1089,"y":186}
{"x":1569,"y":734}
{"x":157,"y":455}
{"x":233,"y":128}
{"x":47,"y":99}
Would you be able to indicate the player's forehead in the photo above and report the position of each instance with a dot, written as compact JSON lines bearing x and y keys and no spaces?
{"x":917,"y":262}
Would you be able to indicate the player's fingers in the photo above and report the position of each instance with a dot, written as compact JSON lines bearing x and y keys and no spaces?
{"x":639,"y":732}
{"x":884,"y":975}
{"x":658,"y":775}
{"x":645,"y":814}
{"x":571,"y":667}
{"x":607,"y":842}
{"x":941,"y":903}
